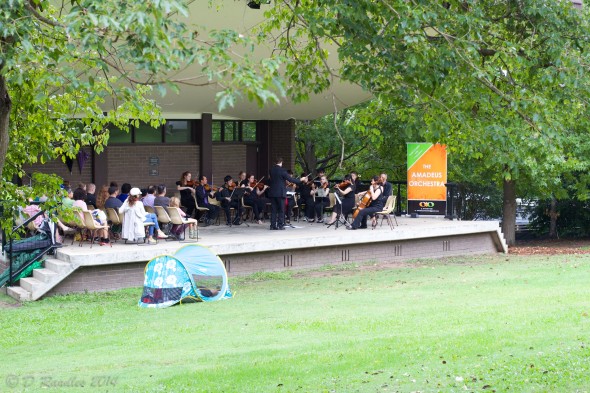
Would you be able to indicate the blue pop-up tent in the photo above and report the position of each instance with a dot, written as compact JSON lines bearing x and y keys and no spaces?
{"x":193,"y":273}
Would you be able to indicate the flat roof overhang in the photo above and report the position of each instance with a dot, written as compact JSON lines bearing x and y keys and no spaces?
{"x":192,"y":101}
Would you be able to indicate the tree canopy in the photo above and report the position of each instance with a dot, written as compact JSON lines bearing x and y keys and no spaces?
{"x":502,"y":83}
{"x":71,"y":68}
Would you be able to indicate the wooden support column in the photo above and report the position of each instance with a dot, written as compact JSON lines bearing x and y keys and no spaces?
{"x":205,"y":141}
{"x":100,"y":168}
{"x":263,"y":137}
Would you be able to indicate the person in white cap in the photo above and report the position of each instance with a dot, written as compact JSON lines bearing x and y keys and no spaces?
{"x":135,"y":216}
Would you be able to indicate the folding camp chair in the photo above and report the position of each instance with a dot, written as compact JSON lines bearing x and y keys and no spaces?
{"x":94,"y":226}
{"x":163,"y":219}
{"x":76,"y":224}
{"x":386,"y":212}
{"x":177,"y":219}
{"x":115,"y":220}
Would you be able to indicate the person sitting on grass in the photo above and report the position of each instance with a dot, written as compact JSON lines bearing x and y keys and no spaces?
{"x":135,"y":216}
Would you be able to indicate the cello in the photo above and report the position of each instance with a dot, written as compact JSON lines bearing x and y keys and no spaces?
{"x":365,"y":202}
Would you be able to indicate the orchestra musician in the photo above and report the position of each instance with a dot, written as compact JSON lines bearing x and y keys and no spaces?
{"x":387,"y":187}
{"x":346,"y":191}
{"x":226,"y":196}
{"x":241,"y":178}
{"x":290,"y":202}
{"x":254,"y":197}
{"x":187,"y":193}
{"x":377,"y":203}
{"x":278,"y":192}
{"x":305,"y":191}
{"x":322,"y":199}
{"x":203,"y":192}
{"x":356,"y":182}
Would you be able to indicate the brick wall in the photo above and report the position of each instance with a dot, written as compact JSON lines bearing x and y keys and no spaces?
{"x":228,"y":159}
{"x":131,"y":164}
{"x":102,"y":278}
{"x":110,"y":277}
{"x":282,"y":142}
{"x":359,"y":253}
{"x":59,"y":168}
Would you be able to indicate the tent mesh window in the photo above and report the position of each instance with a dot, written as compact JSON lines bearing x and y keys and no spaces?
{"x":160,"y":295}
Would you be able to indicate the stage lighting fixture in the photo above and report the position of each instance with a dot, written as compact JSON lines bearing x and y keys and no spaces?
{"x":255,"y":5}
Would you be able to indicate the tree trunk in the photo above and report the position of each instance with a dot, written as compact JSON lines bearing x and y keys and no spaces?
{"x":310,"y":158}
{"x":5,"y":108}
{"x":509,"y":212}
{"x":553,"y":216}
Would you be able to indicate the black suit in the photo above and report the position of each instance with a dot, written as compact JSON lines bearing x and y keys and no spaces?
{"x":277,"y":194}
{"x":387,"y":187}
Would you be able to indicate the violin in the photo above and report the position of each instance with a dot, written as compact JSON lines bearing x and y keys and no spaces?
{"x":191,"y":183}
{"x":325,"y":185}
{"x":209,"y":188}
{"x":344,"y":185}
{"x":258,"y":184}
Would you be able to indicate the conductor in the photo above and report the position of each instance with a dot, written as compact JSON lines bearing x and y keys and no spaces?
{"x":277,"y":193}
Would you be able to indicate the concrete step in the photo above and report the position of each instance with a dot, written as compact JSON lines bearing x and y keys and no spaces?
{"x":19,"y":293}
{"x":30,"y":284}
{"x":44,"y":275}
{"x":58,"y":266}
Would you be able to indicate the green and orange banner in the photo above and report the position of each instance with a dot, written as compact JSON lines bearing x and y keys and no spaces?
{"x":427,"y":175}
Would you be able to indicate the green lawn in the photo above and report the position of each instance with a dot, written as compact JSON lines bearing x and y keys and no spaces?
{"x":501,"y":323}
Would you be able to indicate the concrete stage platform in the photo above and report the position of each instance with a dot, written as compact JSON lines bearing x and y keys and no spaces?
{"x":246,"y":250}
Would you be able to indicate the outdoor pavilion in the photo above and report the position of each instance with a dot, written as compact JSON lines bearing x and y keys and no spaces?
{"x":197,"y":137}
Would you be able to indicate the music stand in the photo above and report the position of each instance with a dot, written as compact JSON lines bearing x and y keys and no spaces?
{"x":237,"y":195}
{"x":340,"y":220}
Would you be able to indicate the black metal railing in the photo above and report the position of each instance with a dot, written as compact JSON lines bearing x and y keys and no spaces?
{"x":36,"y":249}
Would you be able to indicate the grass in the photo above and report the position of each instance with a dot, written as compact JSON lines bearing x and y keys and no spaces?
{"x":491,"y":324}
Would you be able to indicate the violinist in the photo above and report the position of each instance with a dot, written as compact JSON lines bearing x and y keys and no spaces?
{"x":255,"y":196}
{"x":241,"y":178}
{"x":305,"y":190}
{"x":377,"y":203}
{"x":290,"y":202}
{"x":346,"y":192}
{"x":203,"y":192}
{"x":322,"y":199}
{"x":226,"y":196}
{"x":187,"y":193}
{"x":278,"y":192}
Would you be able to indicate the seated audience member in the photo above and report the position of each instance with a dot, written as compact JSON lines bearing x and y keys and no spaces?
{"x":177,"y":230}
{"x":103,"y":234}
{"x":102,"y":197}
{"x":90,"y":196}
{"x":124,"y":192}
{"x":67,"y":201}
{"x":112,"y":201}
{"x":135,"y":216}
{"x":32,"y":209}
{"x":148,"y":200}
{"x":161,"y":198}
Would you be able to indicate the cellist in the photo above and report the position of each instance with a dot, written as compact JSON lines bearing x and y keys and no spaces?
{"x":375,"y":191}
